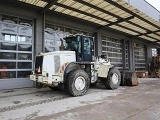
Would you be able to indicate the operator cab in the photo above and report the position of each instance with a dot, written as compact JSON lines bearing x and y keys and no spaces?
{"x":82,"y":45}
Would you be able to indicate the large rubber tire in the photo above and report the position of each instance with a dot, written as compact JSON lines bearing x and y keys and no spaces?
{"x":153,"y":74}
{"x":39,"y":85}
{"x":113,"y":79}
{"x":77,"y":83}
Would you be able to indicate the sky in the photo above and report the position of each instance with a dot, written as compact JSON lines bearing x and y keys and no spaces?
{"x":155,"y":3}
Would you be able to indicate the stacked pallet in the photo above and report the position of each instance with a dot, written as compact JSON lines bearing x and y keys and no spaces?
{"x":142,"y":74}
{"x":154,"y":67}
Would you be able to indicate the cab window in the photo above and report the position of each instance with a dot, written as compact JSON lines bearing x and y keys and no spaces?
{"x":87,"y":45}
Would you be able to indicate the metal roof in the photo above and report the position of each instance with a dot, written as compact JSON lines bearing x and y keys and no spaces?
{"x":115,"y":14}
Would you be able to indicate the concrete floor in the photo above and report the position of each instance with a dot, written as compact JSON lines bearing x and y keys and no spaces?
{"x":141,"y":102}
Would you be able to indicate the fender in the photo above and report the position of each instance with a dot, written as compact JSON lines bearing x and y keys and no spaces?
{"x":70,"y":66}
{"x":103,"y":70}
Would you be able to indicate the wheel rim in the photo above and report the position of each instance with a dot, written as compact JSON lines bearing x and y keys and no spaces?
{"x":115,"y":78}
{"x":80,"y":83}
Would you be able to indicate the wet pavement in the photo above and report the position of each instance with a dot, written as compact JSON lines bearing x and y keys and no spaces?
{"x":141,"y":102}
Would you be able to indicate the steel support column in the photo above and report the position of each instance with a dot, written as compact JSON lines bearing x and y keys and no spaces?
{"x":38,"y":37}
{"x":131,"y":58}
{"x":123,"y":54}
{"x":43,"y":31}
{"x":148,"y":55}
{"x":98,"y":43}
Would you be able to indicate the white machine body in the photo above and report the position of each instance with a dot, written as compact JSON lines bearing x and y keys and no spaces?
{"x":53,"y":66}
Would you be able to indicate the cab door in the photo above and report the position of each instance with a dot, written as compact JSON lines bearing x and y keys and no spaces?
{"x":87,"y":49}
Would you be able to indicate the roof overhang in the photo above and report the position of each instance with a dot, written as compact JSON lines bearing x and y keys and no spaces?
{"x":115,"y":14}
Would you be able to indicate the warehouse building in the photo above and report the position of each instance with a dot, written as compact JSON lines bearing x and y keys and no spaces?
{"x":129,"y":35}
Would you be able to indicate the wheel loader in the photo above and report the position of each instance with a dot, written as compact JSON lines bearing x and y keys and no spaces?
{"x":75,"y":67}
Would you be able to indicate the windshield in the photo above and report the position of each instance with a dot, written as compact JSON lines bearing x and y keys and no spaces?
{"x":72,"y":43}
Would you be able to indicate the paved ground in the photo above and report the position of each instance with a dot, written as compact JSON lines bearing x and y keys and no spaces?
{"x":141,"y":102}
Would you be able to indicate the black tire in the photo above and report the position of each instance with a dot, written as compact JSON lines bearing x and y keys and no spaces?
{"x":153,"y":74}
{"x":123,"y":82}
{"x":73,"y":77}
{"x":109,"y":82}
{"x":103,"y":80}
{"x":39,"y":85}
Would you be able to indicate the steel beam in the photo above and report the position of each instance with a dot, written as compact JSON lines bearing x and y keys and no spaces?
{"x":97,"y":8}
{"x":85,"y":13}
{"x":128,"y":29}
{"x":117,"y":22}
{"x":157,"y":41}
{"x":49,"y":5}
{"x":48,"y":1}
{"x":151,"y":37}
{"x":82,"y":12}
{"x":130,"y":12}
{"x":149,"y":32}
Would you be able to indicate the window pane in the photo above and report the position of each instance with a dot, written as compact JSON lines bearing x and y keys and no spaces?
{"x":27,"y":39}
{"x":58,"y":35}
{"x":22,"y":74}
{"x":24,"y":47}
{"x":12,"y":74}
{"x":13,"y":37}
{"x":25,"y":22}
{"x":24,"y":56}
{"x":7,"y":55}
{"x":7,"y":65}
{"x":25,"y":30}
{"x":9,"y":37}
{"x":154,"y":52}
{"x":49,"y":42}
{"x":49,"y":33}
{"x":9,"y":27}
{"x":24,"y":65}
{"x":7,"y":74}
{"x":9,"y":19}
{"x":8,"y":46}
{"x":49,"y":49}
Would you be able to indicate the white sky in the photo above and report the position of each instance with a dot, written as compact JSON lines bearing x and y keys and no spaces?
{"x":155,"y":3}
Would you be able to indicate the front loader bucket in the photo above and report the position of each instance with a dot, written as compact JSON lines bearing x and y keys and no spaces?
{"x":128,"y":78}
